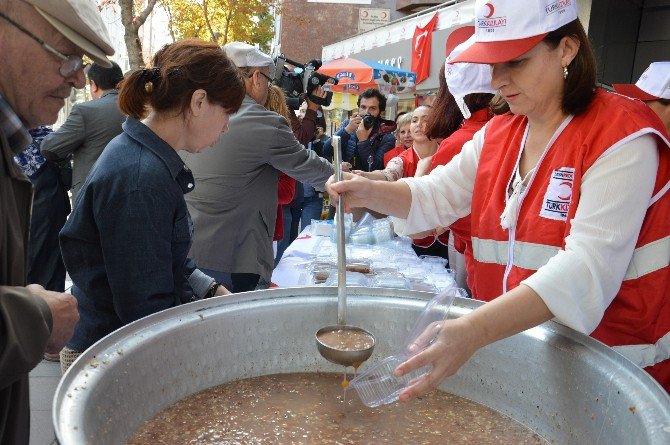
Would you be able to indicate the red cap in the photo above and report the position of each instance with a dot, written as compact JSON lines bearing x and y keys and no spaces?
{"x":632,"y":90}
{"x":459,"y":36}
{"x":497,"y":52}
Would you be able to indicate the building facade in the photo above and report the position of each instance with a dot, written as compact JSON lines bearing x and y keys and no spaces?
{"x":305,"y":26}
{"x":626,"y":35}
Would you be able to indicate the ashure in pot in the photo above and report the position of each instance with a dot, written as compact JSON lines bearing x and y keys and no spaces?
{"x":565,"y":386}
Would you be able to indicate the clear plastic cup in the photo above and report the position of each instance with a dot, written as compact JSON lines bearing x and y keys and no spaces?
{"x":378,"y":385}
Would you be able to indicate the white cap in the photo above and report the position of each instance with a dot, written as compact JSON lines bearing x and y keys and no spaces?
{"x":654,"y":83}
{"x":81,"y":23}
{"x":245,"y":55}
{"x":506,"y":29}
{"x":466,"y":78}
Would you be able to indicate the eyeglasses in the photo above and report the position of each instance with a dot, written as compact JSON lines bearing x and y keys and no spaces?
{"x":69,"y":66}
{"x":266,"y":76}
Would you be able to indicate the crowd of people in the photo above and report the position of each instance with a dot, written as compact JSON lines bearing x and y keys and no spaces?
{"x":190,"y":177}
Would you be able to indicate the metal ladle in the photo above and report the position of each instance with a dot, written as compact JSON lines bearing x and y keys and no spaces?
{"x":333,"y":355}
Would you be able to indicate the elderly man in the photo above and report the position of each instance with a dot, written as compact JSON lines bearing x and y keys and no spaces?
{"x":234,"y":206}
{"x":41,"y":43}
{"x":89,"y":126}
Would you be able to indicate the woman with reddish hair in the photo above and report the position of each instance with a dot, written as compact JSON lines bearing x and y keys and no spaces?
{"x":126,"y":242}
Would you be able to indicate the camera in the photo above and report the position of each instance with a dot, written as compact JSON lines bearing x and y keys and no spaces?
{"x":368,"y":121}
{"x":301,"y":81}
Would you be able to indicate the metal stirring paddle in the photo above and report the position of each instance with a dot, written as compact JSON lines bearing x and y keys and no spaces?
{"x":338,"y":356}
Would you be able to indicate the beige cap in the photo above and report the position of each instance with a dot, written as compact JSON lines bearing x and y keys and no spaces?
{"x":245,"y":55}
{"x":81,"y":23}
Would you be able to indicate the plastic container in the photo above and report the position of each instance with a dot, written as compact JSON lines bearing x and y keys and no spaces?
{"x":378,"y":385}
{"x":362,"y":236}
{"x":347,"y":231}
{"x":321,"y":227}
{"x":382,"y":230}
{"x":353,"y":279}
{"x":394,"y":281}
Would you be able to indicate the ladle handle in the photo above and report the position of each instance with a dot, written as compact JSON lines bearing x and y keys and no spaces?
{"x":341,"y":238}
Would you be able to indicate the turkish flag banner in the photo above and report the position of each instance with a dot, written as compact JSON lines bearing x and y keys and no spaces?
{"x":421,"y":43}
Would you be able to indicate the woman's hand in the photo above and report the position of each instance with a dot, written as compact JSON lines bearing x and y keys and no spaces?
{"x":423,"y":167}
{"x":361,"y":173}
{"x":356,"y":190}
{"x":221,"y":290}
{"x":456,"y":342}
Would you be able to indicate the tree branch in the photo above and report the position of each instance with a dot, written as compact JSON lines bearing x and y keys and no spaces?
{"x":209,"y":24}
{"x":139,"y":21}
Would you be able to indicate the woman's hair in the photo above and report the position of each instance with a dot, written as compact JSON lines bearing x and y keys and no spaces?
{"x":397,"y":116}
{"x":446,"y":117}
{"x":276,"y":102}
{"x":179,"y":69}
{"x":581,"y":81}
{"x":403,"y":120}
{"x":498,"y":105}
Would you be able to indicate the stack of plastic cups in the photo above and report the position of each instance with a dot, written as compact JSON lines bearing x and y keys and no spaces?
{"x":378,"y":385}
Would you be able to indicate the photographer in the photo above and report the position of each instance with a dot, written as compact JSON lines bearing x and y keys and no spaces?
{"x":366,"y":136}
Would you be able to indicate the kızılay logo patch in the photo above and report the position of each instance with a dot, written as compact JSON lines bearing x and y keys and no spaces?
{"x":345,"y":74}
{"x":486,"y":18}
{"x":556,"y":203}
{"x":558,"y":6}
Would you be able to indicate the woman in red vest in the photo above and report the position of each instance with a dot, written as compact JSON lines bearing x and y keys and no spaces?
{"x":461,"y":109}
{"x":568,"y":198}
{"x":414,"y":161}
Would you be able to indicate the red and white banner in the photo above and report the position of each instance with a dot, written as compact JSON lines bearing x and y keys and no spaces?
{"x":421,"y":43}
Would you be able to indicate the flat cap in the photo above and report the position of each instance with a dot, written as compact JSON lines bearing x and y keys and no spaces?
{"x":81,"y":23}
{"x":245,"y":55}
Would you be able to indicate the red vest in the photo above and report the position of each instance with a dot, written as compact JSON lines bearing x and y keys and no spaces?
{"x":449,"y":148}
{"x":392,"y":153}
{"x":640,"y":312}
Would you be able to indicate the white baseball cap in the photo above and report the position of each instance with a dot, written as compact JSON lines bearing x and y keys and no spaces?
{"x":506,"y":29}
{"x":653,"y":84}
{"x":245,"y":55}
{"x":466,"y":78}
{"x":81,"y":23}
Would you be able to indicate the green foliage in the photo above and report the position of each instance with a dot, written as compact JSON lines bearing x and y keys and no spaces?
{"x":222,"y":21}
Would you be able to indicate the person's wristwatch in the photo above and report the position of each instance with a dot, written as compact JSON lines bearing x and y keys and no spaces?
{"x":211,"y":292}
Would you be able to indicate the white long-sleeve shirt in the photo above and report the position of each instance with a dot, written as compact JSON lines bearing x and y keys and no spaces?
{"x":580,"y":282}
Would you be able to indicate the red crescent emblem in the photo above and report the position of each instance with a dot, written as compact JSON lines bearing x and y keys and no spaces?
{"x":491,"y":10}
{"x":569,"y":187}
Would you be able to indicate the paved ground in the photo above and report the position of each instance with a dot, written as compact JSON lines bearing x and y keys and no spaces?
{"x":43,"y":381}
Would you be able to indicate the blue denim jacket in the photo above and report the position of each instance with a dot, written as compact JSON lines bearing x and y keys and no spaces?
{"x":126,"y":242}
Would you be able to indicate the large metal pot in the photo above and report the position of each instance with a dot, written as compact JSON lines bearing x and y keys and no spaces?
{"x":567,"y":387}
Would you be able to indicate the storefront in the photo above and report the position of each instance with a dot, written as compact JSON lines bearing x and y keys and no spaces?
{"x":392,"y":45}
